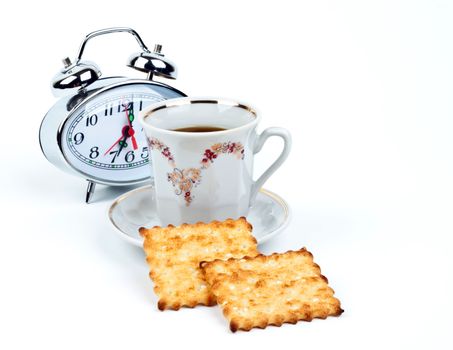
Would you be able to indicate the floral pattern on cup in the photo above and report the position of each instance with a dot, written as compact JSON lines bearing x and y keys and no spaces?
{"x":235,"y":148}
{"x":164,"y":150}
{"x":184,"y":180}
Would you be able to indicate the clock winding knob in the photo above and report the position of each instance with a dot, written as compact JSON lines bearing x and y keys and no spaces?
{"x":158,"y":48}
{"x":66,"y":62}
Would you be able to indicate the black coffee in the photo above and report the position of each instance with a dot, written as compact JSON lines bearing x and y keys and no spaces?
{"x":200,"y":128}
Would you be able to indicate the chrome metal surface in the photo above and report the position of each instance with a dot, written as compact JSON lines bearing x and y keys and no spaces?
{"x":74,"y":77}
{"x":50,"y":132}
{"x":157,"y":48}
{"x":66,"y":62}
{"x":154,"y":63}
{"x":110,"y":31}
{"x":79,"y":82}
{"x":90,"y":191}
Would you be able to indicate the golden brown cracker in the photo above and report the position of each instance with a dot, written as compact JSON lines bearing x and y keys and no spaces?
{"x":174,"y":255}
{"x":271,"y":290}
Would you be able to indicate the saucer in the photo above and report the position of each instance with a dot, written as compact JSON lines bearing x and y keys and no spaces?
{"x":269,"y":215}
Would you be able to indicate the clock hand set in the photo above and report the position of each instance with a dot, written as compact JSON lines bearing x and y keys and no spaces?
{"x":130,"y":118}
{"x":126,"y":132}
{"x":122,"y":140}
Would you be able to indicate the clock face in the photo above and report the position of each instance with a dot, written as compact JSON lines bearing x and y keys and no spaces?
{"x":103,"y":138}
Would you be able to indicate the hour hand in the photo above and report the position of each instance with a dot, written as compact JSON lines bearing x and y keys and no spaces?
{"x":122,"y":144}
{"x":124,"y":136}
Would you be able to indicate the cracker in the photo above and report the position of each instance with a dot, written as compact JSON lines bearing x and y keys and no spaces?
{"x":174,"y":255}
{"x":271,"y":290}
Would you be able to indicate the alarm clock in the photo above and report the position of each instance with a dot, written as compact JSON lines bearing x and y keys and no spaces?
{"x":92,"y":131}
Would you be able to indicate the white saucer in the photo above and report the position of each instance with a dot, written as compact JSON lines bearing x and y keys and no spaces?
{"x":269,"y":215}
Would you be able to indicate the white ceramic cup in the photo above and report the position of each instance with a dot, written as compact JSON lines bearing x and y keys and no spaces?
{"x":205,"y":176}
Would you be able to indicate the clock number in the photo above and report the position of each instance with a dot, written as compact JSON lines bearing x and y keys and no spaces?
{"x":129,"y":106}
{"x":141,"y":105}
{"x":130,"y":156}
{"x":108,"y":110}
{"x":145,"y":153}
{"x":115,"y":154}
{"x":78,"y":138}
{"x":92,"y":120}
{"x":94,"y":152}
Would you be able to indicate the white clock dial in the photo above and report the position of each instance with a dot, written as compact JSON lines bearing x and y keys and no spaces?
{"x":104,"y":140}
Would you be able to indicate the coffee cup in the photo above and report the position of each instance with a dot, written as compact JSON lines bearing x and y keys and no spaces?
{"x":202,"y":152}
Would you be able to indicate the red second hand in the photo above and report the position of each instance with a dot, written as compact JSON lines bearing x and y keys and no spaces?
{"x":116,"y":142}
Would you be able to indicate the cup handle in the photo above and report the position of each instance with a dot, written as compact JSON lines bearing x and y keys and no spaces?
{"x":261,"y":139}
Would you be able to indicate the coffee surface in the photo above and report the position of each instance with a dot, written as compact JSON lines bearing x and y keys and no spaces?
{"x":200,"y":128}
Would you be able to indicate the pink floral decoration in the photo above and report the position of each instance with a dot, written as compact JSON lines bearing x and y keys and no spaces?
{"x":184,"y":180}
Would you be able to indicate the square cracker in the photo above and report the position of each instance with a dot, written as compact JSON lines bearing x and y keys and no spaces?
{"x":271,"y":290}
{"x":174,"y":255}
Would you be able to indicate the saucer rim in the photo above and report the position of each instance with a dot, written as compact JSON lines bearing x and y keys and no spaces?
{"x":134,"y":241}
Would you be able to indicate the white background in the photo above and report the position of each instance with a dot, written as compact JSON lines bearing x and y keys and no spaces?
{"x":366,"y":88}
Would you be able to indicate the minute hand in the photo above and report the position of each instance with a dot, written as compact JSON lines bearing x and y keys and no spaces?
{"x":130,"y":118}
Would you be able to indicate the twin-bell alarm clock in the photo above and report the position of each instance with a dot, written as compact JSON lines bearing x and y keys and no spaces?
{"x":92,"y":131}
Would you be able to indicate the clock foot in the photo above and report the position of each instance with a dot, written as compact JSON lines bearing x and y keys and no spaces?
{"x":90,"y":191}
